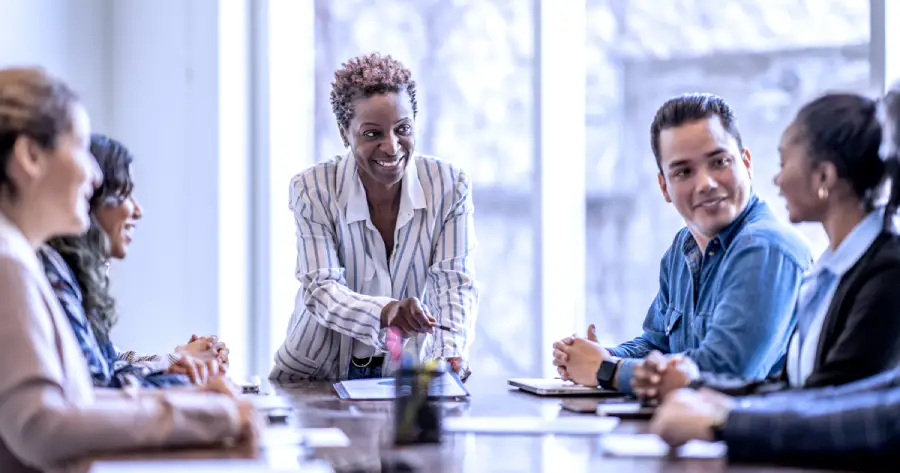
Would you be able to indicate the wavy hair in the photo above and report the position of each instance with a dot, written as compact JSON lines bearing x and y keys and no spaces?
{"x":87,"y":255}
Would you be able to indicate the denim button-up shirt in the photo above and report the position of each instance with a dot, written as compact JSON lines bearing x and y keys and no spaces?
{"x":730,"y":307}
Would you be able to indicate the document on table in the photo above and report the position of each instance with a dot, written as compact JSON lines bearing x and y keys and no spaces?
{"x":285,"y":436}
{"x":564,"y":425}
{"x":649,"y":445}
{"x":205,"y":466}
{"x":384,"y":388}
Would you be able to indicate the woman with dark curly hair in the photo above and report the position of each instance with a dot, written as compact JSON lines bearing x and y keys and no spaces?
{"x":77,"y":269}
{"x":385,"y":239}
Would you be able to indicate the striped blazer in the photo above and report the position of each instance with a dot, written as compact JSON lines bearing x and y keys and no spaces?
{"x":432,"y":260}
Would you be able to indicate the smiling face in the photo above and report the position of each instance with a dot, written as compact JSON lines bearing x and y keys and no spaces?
{"x":704,"y":174}
{"x":118,"y":217}
{"x":66,"y":176}
{"x":796,"y":181}
{"x":381,"y":136}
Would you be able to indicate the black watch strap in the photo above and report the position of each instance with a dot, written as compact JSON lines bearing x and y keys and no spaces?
{"x":606,"y":373}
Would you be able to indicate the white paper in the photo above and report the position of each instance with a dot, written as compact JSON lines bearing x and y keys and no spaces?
{"x":564,"y":425}
{"x":285,"y":436}
{"x":204,"y":466}
{"x":383,"y":388}
{"x":649,"y":445}
{"x":556,"y":384}
{"x":267,"y":402}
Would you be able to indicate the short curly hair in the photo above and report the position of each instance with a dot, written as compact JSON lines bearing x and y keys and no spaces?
{"x":365,"y":76}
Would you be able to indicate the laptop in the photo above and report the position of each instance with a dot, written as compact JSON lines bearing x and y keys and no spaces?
{"x":558,"y":387}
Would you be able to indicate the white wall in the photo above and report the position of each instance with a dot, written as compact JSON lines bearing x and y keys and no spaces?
{"x":67,"y":38}
{"x":165,"y":106}
{"x":149,"y":74}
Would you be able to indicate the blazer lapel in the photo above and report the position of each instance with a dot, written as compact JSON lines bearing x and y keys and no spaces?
{"x":844,"y":294}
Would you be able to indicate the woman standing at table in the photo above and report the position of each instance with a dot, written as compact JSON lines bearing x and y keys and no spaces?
{"x":385,"y":238}
{"x":51,"y":417}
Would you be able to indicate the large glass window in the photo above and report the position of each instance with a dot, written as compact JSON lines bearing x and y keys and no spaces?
{"x":765,"y":58}
{"x":480,"y":78}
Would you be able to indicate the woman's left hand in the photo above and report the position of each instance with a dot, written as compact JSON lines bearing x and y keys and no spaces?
{"x":460,"y":367}
{"x":206,"y":348}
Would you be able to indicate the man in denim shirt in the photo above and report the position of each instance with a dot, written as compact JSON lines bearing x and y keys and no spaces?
{"x":728,"y":283}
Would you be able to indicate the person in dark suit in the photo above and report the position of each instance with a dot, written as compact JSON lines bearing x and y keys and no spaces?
{"x":846,"y":310}
{"x":854,"y":424}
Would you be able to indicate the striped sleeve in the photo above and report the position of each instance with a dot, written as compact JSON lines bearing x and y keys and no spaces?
{"x":325,"y":292}
{"x":452,"y":289}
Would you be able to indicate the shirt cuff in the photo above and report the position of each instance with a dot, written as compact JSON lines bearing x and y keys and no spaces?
{"x":381,"y":302}
{"x":625,"y":372}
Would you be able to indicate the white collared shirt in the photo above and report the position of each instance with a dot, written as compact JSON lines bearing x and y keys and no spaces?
{"x":377,"y":281}
{"x":801,"y":360}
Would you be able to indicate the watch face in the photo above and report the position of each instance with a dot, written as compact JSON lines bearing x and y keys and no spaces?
{"x":606,"y":371}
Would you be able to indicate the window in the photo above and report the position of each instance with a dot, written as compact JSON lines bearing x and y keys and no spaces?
{"x":765,"y":58}
{"x":485,"y":70}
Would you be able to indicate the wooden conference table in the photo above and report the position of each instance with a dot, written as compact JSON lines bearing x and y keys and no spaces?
{"x":369,"y":425}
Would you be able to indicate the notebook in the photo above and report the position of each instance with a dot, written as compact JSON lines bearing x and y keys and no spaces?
{"x":377,"y":389}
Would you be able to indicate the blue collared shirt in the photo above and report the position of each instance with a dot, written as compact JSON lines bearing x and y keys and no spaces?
{"x":729,"y":308}
{"x":818,"y":288}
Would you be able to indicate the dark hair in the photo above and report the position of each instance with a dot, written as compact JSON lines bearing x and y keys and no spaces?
{"x":365,"y":76}
{"x":843,"y":129}
{"x":87,"y":255}
{"x":35,"y":104}
{"x":890,"y":108}
{"x":686,"y":108}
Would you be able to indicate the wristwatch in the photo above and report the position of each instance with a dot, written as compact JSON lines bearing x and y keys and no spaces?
{"x":606,"y":373}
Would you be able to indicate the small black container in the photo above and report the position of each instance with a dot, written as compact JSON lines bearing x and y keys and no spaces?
{"x":417,"y":414}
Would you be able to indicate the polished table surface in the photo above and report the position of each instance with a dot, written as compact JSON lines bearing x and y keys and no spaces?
{"x":369,"y":426}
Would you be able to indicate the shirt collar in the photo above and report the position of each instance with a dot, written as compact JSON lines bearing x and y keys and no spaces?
{"x":727,"y":234}
{"x":412,"y":197}
{"x":857,"y":242}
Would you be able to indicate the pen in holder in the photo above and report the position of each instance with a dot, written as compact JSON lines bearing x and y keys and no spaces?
{"x":416,"y":419}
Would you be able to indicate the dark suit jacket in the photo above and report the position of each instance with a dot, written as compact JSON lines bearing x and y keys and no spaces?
{"x":855,"y":426}
{"x":860,"y":334}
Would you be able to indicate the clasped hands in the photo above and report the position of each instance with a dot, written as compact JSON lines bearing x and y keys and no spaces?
{"x":685,"y":414}
{"x":410,"y":317}
{"x":201,"y":359}
{"x":578,"y":359}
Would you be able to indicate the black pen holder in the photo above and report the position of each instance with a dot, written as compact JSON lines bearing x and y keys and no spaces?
{"x":417,"y":415}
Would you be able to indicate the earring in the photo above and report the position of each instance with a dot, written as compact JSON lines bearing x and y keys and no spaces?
{"x":823,"y":193}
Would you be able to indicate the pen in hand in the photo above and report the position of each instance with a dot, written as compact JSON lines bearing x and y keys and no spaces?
{"x":444,"y":328}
